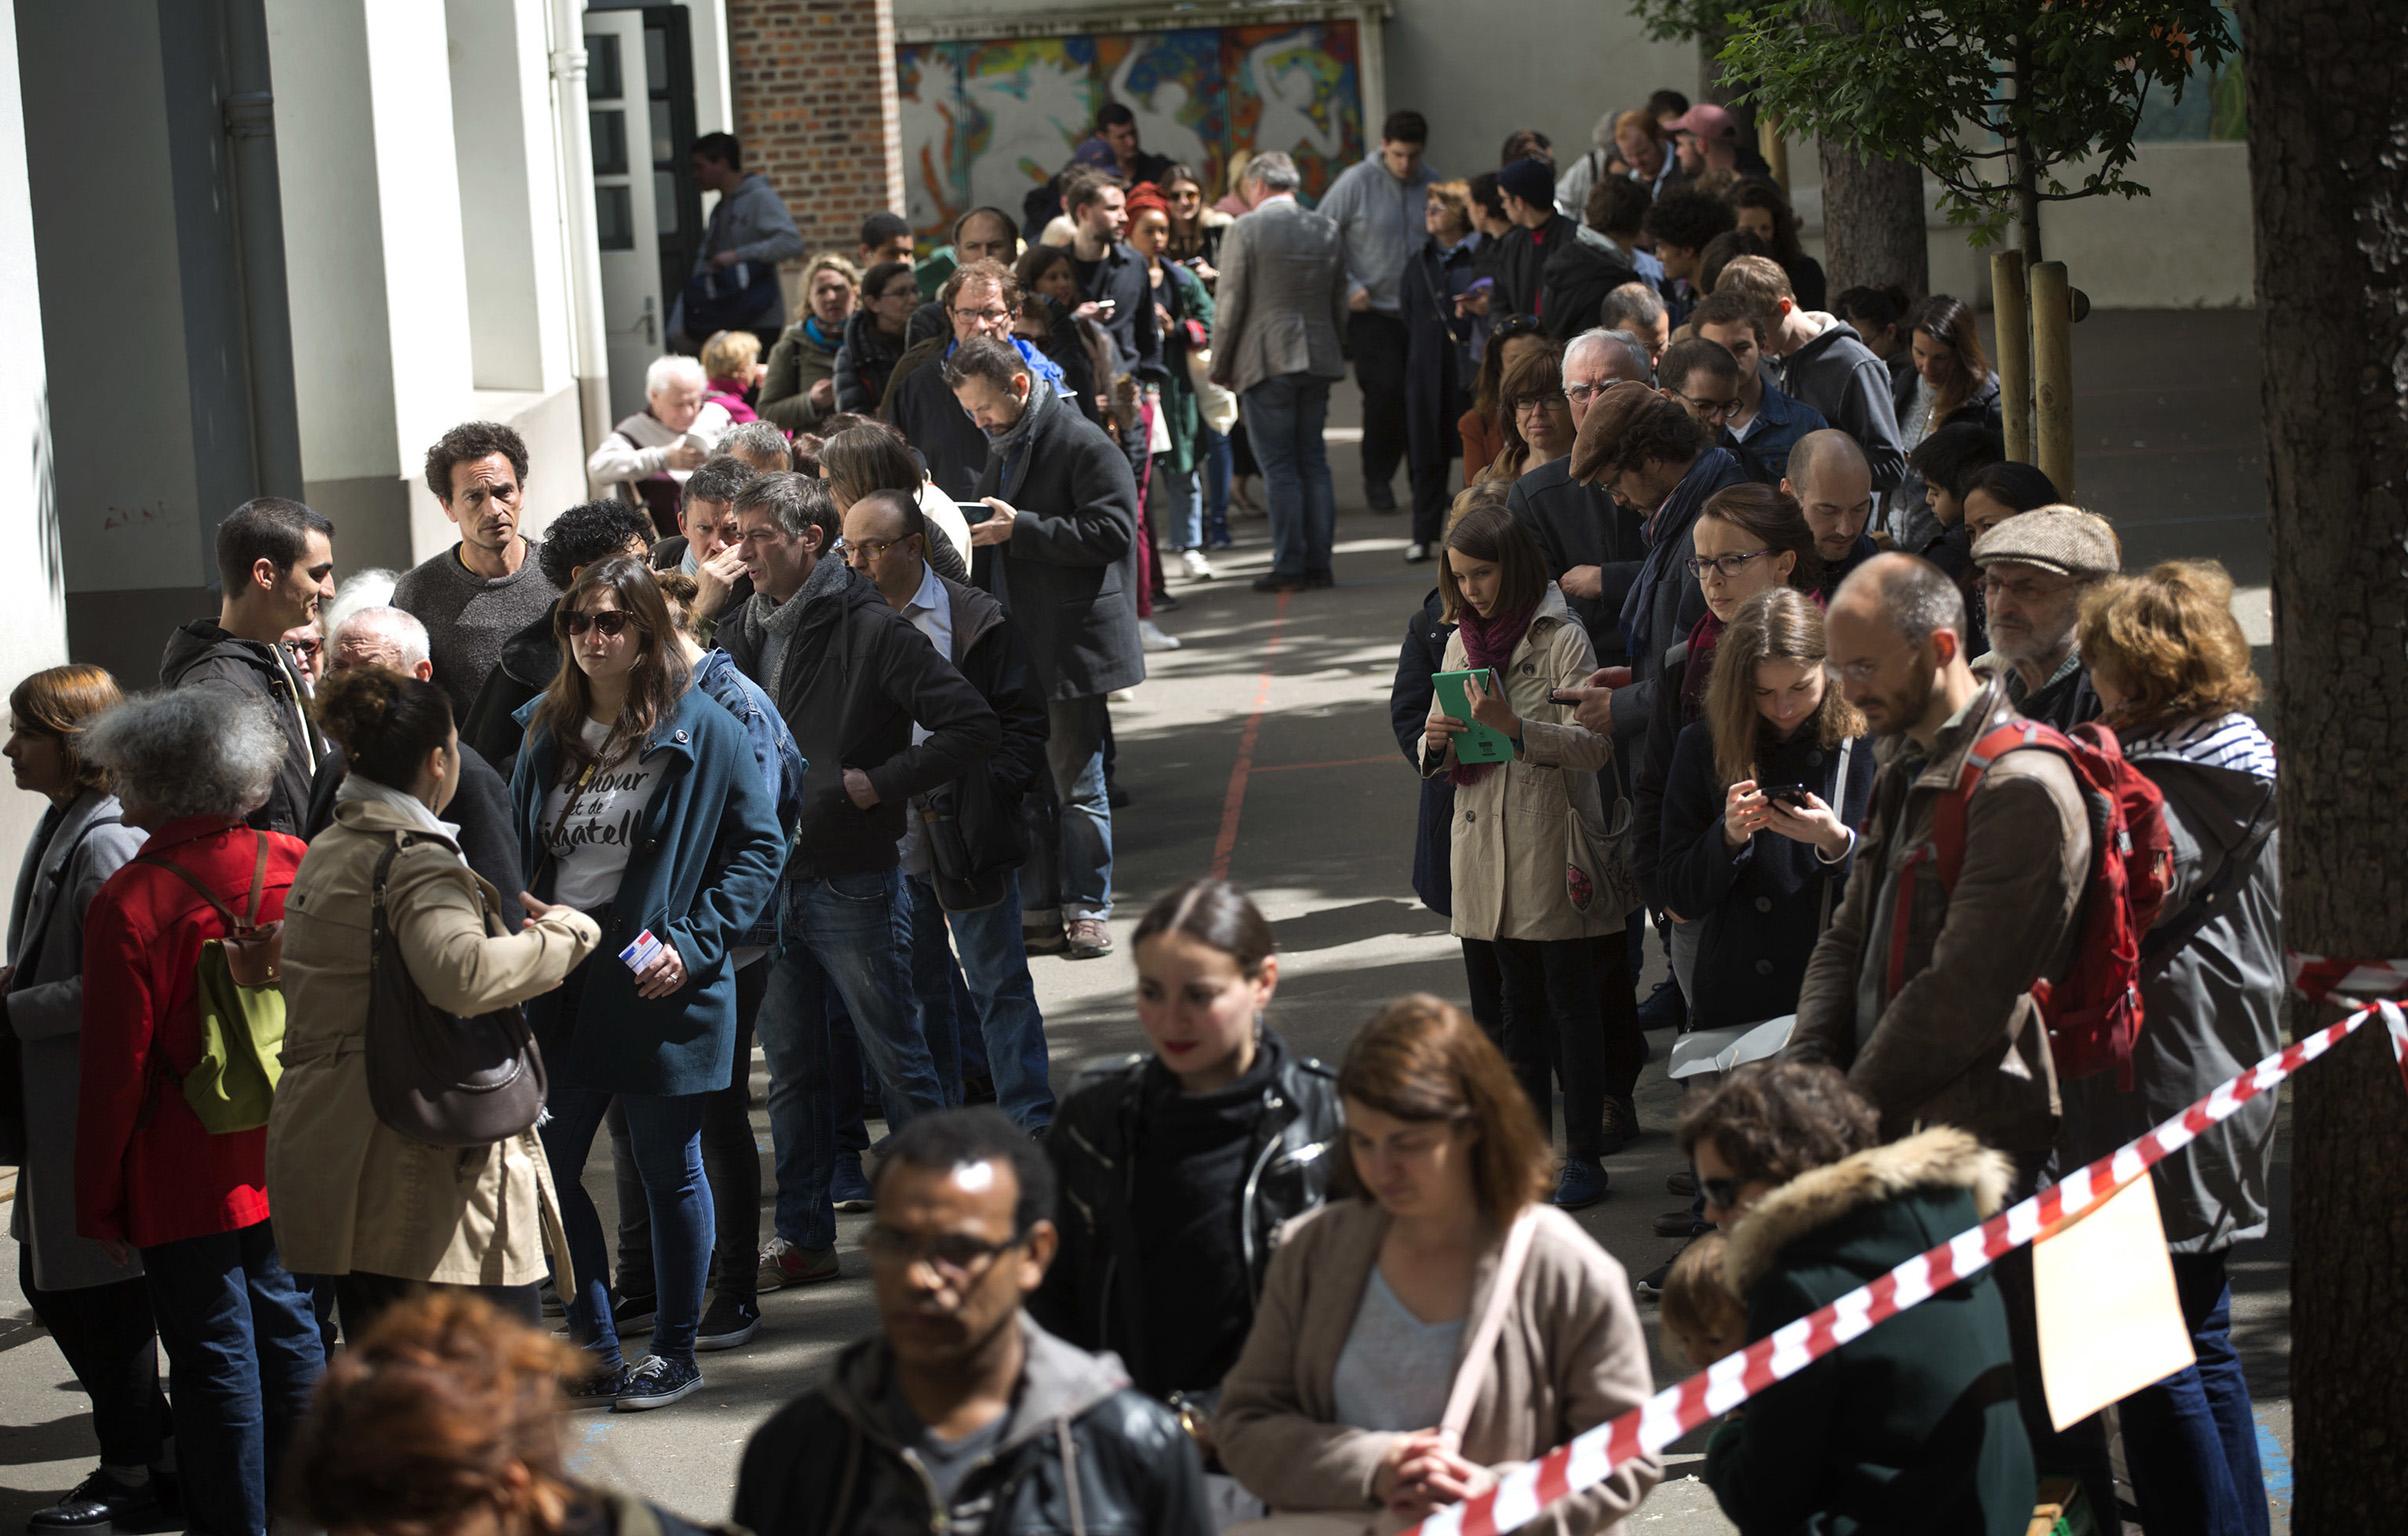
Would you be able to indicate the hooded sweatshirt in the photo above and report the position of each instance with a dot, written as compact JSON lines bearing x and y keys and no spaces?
{"x":752,"y":222}
{"x":1379,"y":221}
{"x":1078,"y":1451}
{"x":1838,"y":375}
{"x":201,"y":655}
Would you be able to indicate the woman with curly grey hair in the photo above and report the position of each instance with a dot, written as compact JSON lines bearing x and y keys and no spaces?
{"x":242,"y":1342}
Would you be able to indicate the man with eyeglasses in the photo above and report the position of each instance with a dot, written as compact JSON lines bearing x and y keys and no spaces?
{"x":1765,"y":423}
{"x":980,"y":299}
{"x":964,"y":1414}
{"x":1702,"y":378}
{"x":1832,"y":483}
{"x":2035,"y":571}
{"x":1591,"y":543}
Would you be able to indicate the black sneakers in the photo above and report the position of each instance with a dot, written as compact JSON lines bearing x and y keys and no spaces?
{"x":729,"y":1322}
{"x":657,"y":1383}
{"x":599,"y":1388}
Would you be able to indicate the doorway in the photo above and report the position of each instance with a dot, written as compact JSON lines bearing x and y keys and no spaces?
{"x":647,"y":211}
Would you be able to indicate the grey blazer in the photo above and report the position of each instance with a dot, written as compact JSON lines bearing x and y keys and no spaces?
{"x":55,"y":886}
{"x":1282,"y":298}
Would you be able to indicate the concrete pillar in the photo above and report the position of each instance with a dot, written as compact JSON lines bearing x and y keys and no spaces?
{"x":815,"y":109}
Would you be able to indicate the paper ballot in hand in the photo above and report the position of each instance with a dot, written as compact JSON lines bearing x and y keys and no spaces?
{"x":2110,"y":1323}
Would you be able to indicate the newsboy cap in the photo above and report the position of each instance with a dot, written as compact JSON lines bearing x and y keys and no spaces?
{"x":2063,"y":539}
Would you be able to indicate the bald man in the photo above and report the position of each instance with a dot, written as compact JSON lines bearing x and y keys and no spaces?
{"x":1833,"y":482}
{"x":1592,"y":545}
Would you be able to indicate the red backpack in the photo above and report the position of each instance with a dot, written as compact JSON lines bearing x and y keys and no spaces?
{"x":2093,"y":1014}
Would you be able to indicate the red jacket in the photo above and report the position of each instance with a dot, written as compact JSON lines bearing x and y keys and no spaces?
{"x":145,"y":1171}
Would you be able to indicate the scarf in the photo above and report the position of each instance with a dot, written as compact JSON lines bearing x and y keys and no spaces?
{"x":1489,"y":643}
{"x":777,"y":622}
{"x":1041,"y":369}
{"x":358,"y":788}
{"x":819,"y":338}
{"x":1013,"y":441}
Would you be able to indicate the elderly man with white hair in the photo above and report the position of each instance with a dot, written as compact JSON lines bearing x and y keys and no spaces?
{"x":1591,"y":544}
{"x":647,"y":457}
{"x":381,"y":636}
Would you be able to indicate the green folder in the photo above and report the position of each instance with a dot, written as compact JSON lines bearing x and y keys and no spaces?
{"x":1480,"y":744}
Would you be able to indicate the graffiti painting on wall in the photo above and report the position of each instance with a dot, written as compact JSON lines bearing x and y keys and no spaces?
{"x":984,"y":122}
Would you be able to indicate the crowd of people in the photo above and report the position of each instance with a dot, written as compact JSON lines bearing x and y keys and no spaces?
{"x":332,"y":957}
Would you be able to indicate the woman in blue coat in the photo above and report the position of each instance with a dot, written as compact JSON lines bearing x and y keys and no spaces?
{"x":638,"y":801}
{"x":1764,"y":790}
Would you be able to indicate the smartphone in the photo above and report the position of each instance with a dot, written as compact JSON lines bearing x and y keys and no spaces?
{"x":1786,"y":794}
{"x":1479,"y":744}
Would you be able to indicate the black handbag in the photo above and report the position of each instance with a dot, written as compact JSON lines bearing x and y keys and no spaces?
{"x":960,"y":885}
{"x":434,"y":1077}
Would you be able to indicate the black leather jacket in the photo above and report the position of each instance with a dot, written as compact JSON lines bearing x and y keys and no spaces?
{"x":1095,"y":1293}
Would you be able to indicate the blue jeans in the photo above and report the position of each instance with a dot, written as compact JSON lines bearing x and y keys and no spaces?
{"x":994,"y":967}
{"x":666,"y":1135}
{"x":2191,"y":1440}
{"x":1072,"y":863}
{"x":242,"y":1356}
{"x":1284,"y":418}
{"x":1182,"y":521}
{"x":852,"y":933}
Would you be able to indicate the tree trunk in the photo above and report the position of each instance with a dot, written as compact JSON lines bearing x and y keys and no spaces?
{"x":1873,"y":224}
{"x":2328,"y":107}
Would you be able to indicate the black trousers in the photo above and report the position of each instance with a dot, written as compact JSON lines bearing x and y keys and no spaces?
{"x":111,"y":1344}
{"x":731,"y":1162}
{"x":361,"y":1298}
{"x":1378,"y":344}
{"x":1544,"y":1007}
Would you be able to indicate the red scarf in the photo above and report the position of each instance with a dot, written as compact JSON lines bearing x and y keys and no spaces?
{"x":1489,"y":643}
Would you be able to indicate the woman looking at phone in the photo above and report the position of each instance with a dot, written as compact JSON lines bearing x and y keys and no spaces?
{"x":1758,"y":814}
{"x":1530,"y":919}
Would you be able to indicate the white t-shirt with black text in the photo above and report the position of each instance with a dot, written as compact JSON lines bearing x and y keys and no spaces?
{"x":589,"y":846}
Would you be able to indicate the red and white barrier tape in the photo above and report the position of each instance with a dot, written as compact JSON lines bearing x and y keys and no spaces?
{"x":1591,"y":1457}
{"x":2316,"y":978}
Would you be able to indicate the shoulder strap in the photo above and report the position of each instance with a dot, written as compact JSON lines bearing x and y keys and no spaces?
{"x":259,"y":880}
{"x":1472,"y":1375}
{"x":2160,"y":945}
{"x":1948,"y":817}
{"x":206,"y":894}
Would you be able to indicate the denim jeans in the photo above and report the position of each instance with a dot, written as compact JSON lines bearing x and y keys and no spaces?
{"x":2190,"y":1441}
{"x":666,"y":1133}
{"x":1071,"y":863}
{"x":242,"y":1355}
{"x":994,"y":967}
{"x":852,"y":933}
{"x":1284,"y":420}
{"x":1180,"y":509}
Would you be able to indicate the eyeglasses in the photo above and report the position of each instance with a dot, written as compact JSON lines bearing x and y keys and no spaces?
{"x":1862,"y":671}
{"x":2023,"y":589}
{"x":993,"y":314}
{"x":956,"y":1256}
{"x":1538,"y":402}
{"x":1727,"y":567}
{"x":303,"y":647}
{"x":1712,"y":410}
{"x":868,"y":550}
{"x":1722,"y":1192}
{"x":1582,"y":394}
{"x":612,"y":622}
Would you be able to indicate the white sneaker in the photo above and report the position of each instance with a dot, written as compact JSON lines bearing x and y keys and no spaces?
{"x":1152,"y":637}
{"x":1198,"y":568}
{"x":1415,"y":554}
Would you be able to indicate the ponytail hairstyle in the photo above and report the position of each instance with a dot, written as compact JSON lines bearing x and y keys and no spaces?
{"x":1783,"y":624}
{"x":1217,"y":915}
{"x":387,"y":723}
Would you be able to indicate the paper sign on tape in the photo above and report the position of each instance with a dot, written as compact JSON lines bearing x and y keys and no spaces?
{"x":2110,"y":1323}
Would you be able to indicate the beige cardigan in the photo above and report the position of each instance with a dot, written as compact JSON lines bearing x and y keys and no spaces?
{"x":1571,"y":1356}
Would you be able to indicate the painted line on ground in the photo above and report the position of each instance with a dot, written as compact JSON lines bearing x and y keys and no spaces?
{"x":1335,"y":762}
{"x":1233,"y":803}
{"x":2275,"y":1464}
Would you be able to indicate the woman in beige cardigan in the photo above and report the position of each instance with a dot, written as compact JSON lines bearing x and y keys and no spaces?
{"x":1338,"y":1400}
{"x":382,"y":1214}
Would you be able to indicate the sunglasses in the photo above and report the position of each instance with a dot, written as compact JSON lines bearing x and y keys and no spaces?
{"x":610,"y":621}
{"x":1722,"y":1192}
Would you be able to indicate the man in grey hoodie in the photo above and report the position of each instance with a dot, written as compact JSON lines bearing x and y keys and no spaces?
{"x":1378,"y":207}
{"x":1822,"y":362}
{"x":964,"y":1415}
{"x":749,"y":225}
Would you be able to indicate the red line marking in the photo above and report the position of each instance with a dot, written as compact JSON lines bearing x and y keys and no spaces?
{"x":1339,"y":762}
{"x":1233,"y":804}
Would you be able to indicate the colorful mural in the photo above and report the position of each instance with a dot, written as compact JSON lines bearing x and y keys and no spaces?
{"x":983,"y":122}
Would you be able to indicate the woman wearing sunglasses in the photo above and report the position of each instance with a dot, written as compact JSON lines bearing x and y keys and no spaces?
{"x":1913,"y":1426}
{"x":639,"y":802}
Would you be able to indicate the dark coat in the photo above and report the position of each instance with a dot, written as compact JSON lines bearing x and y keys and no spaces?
{"x":988,"y":654}
{"x":927,"y":413}
{"x":201,"y":655}
{"x":529,"y":661}
{"x":1079,"y":1452}
{"x":1136,"y":335}
{"x":856,"y":676}
{"x":1574,"y":282}
{"x":1409,"y":699}
{"x":1095,"y":1294}
{"x":702,"y":869}
{"x":1438,"y":372}
{"x":480,"y":807}
{"x":1762,"y":904}
{"x":1578,"y":524}
{"x":670,"y":554}
{"x":1780,"y":421}
{"x":864,"y":361}
{"x":1912,"y":1426}
{"x":1068,"y":575}
{"x":1665,"y":602}
{"x":1521,"y":262}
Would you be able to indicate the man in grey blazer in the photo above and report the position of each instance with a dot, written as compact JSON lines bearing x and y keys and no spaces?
{"x":1282,"y":310}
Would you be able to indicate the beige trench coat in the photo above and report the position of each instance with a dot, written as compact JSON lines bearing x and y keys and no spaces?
{"x":1513,"y":825}
{"x":351,"y":1196}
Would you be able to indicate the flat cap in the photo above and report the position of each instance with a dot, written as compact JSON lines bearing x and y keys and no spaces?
{"x":2063,"y":539}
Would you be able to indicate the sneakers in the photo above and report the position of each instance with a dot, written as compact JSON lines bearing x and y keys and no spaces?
{"x":783,"y":1265}
{"x":632,"y":1315}
{"x":598,"y":1388}
{"x":1580,"y":1184}
{"x":1089,"y":938}
{"x":1153,"y":637}
{"x":1621,"y":1123}
{"x":1197,"y":567}
{"x":97,"y":1503}
{"x":850,"y":1187}
{"x":657,"y":1383}
{"x":729,"y":1322}
{"x":1417,"y":554}
{"x":1664,"y":1008}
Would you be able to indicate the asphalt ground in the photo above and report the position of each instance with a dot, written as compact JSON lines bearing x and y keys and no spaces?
{"x":1261,"y":749}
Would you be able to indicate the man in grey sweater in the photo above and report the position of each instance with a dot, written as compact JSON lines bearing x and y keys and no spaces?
{"x":1378,"y":207}
{"x":487,"y":587}
{"x":1823,"y":362}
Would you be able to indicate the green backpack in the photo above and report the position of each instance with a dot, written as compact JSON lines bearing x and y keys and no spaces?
{"x":242,"y":1012}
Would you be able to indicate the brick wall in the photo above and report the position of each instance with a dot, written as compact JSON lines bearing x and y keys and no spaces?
{"x":814,"y":85}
